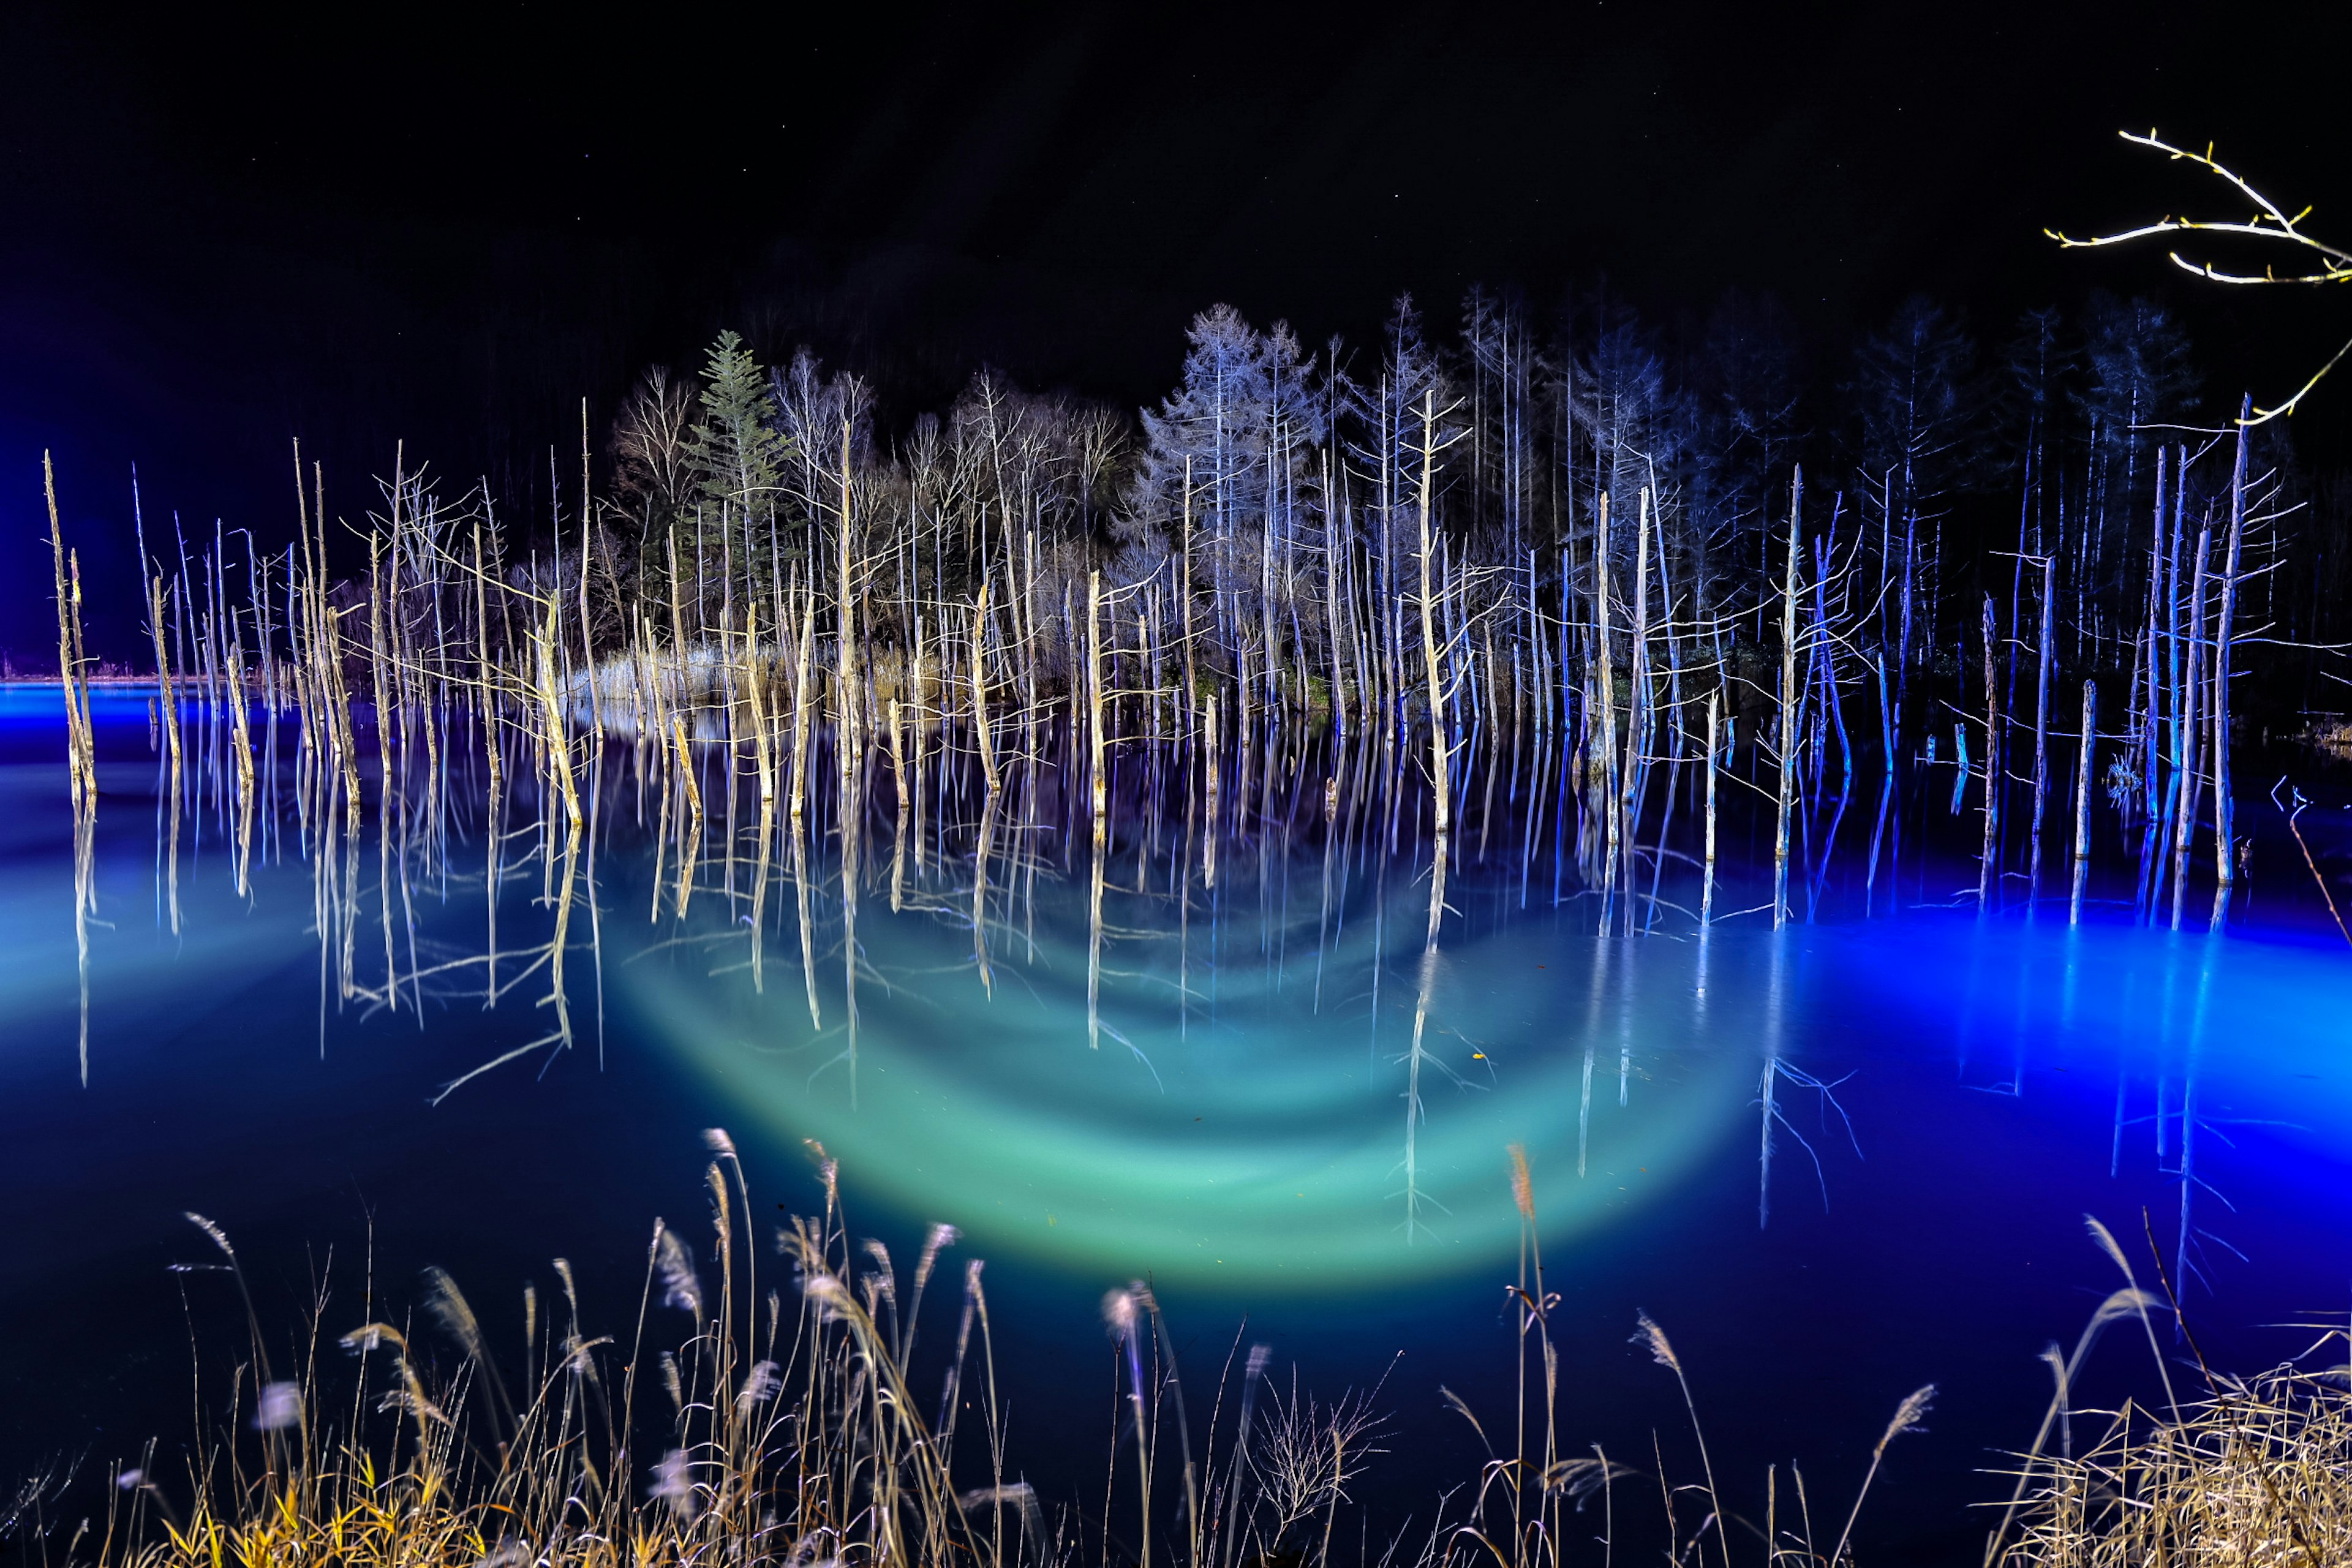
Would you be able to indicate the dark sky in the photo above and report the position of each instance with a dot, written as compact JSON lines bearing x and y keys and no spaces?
{"x":221,"y":228}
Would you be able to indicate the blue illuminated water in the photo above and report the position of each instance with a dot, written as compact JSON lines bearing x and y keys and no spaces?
{"x":1836,"y":1161}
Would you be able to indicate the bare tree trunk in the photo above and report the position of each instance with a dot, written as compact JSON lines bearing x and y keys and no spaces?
{"x":981,"y":738}
{"x":1638,"y":707}
{"x":79,"y":750}
{"x":2184,"y":827}
{"x":2163,"y":623}
{"x":1988,"y":866}
{"x":1605,"y":698}
{"x":1095,"y":698}
{"x":2085,"y":757}
{"x":1439,"y":754}
{"x":2042,"y":730}
{"x":1787,"y":708}
{"x":804,"y":701}
{"x":1707,"y":889}
{"x":1185,"y":595}
{"x":2224,"y":809}
{"x":1211,"y":781}
{"x":847,"y":738}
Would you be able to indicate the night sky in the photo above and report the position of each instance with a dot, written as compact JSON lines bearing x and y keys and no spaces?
{"x":220,"y":230}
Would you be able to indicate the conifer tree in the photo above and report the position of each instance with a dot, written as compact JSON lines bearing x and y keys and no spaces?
{"x":736,"y":448}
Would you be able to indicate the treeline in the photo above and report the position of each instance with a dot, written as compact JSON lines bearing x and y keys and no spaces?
{"x":1262,"y":524}
{"x":1607,"y":557}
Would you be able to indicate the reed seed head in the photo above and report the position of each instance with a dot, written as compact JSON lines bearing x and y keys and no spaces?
{"x":673,"y":1483}
{"x":219,"y":1236}
{"x":279,"y":1406}
{"x":1909,"y":1415}
{"x":2108,"y":1244}
{"x":675,"y":1261}
{"x":1523,"y":1187}
{"x":759,"y":1385}
{"x":1647,"y":1333}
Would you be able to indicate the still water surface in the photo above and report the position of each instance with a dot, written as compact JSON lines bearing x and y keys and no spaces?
{"x":1836,"y":1162}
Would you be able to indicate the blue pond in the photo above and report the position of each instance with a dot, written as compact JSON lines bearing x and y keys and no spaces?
{"x":1834,"y":1162}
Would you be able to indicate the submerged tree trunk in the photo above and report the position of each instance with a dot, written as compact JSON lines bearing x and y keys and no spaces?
{"x":1440,"y":759}
{"x":2189,"y":766}
{"x":1989,"y":868}
{"x":2085,"y":757}
{"x":2040,"y":732}
{"x":1788,"y":703}
{"x":2224,"y":808}
{"x":1706,"y":888}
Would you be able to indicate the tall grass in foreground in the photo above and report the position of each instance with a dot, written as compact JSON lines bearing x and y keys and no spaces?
{"x":780,"y":1429}
{"x":2255,"y":1471}
{"x":784,"y":1426}
{"x":2258,"y":1471}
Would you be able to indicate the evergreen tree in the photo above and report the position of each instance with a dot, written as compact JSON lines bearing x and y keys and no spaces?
{"x":1912,"y":396}
{"x":1632,"y":420}
{"x":1913,"y":401}
{"x":2034,"y":370}
{"x":1242,"y":417}
{"x":1751,"y":388}
{"x":736,"y":448}
{"x":2138,"y":380}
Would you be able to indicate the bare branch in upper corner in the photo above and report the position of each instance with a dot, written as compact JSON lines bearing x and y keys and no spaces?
{"x":2269,"y":224}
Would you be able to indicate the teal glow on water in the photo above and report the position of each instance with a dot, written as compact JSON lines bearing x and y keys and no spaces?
{"x":1240,"y":1114}
{"x":1243,"y":1111}
{"x":1837,"y":1162}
